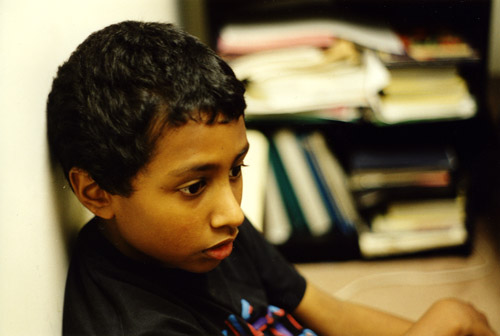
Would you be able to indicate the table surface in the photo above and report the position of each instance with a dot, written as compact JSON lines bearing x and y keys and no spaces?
{"x":409,"y":286}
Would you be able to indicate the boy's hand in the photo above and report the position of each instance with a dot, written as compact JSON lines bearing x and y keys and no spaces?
{"x":451,"y":317}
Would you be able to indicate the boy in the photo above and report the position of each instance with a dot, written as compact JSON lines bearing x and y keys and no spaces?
{"x":148,"y":125}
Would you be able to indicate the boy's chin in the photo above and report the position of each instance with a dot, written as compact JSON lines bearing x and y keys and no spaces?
{"x":202,"y":267}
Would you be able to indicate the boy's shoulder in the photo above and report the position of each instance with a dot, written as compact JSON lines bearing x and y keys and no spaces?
{"x":111,"y":292}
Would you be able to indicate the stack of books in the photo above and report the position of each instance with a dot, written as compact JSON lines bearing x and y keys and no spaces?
{"x":391,"y":173}
{"x":411,"y":199}
{"x":409,"y":227}
{"x":423,"y":94}
{"x":425,"y":82}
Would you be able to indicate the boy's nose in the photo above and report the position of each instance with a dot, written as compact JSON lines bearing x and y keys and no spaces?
{"x":227,"y":210}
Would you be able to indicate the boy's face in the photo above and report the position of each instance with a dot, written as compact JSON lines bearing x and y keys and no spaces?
{"x":185,"y":208}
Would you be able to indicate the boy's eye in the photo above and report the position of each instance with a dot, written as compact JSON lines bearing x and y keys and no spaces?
{"x":236,"y":171}
{"x":193,"y":189}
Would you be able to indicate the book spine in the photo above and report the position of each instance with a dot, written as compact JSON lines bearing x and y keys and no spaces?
{"x":302,"y":182}
{"x":293,"y":208}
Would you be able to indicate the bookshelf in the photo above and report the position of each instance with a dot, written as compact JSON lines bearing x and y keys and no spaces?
{"x":470,"y":138}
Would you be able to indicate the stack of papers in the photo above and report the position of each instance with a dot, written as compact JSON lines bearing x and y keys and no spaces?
{"x":238,"y":39}
{"x":302,"y":79}
{"x":309,"y":65}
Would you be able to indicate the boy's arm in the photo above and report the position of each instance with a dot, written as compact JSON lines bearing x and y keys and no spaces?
{"x":329,"y":316}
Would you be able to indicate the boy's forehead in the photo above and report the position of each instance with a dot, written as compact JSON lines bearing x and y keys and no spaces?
{"x":195,"y":144}
{"x":194,"y":137}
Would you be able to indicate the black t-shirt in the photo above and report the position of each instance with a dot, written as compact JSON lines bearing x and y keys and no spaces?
{"x":107,"y":293}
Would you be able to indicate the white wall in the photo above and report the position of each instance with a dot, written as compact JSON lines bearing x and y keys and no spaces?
{"x":37,"y":212}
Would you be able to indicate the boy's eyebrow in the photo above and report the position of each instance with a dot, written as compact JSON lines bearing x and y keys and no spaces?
{"x":207,"y":166}
{"x":243,"y":152}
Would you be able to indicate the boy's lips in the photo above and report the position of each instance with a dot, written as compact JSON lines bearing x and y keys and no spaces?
{"x":220,"y":251}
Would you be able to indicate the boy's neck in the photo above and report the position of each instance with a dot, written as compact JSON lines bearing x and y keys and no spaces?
{"x":109,"y":230}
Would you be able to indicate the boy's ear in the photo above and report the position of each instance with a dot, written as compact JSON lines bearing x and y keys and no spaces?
{"x":90,"y":194}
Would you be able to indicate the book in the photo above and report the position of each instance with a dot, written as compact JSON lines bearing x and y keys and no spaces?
{"x":255,"y":178}
{"x":326,"y":193}
{"x":414,"y":157}
{"x":396,"y":168}
{"x":426,"y":47}
{"x":288,"y":195}
{"x":278,"y":228}
{"x":302,"y":182}
{"x":400,"y":178}
{"x":415,"y":226}
{"x":332,"y":181}
{"x":423,"y":45}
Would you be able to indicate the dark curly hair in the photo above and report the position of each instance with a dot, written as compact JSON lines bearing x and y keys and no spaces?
{"x":111,"y":100}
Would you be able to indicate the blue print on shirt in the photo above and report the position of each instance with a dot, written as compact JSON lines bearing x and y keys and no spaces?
{"x":275,"y":322}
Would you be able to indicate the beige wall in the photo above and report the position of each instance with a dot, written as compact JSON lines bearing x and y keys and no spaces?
{"x":37,"y":213}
